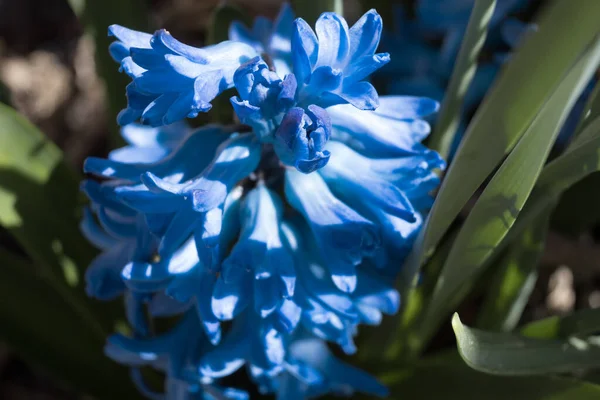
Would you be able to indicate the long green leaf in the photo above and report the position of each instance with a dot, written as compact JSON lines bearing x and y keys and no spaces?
{"x":509,"y":354}
{"x":407,"y":341}
{"x":48,"y":331}
{"x":579,"y":160}
{"x":514,"y":280}
{"x":40,"y":206}
{"x":591,"y":110}
{"x":446,"y":376}
{"x":580,"y":323}
{"x":533,"y":74}
{"x":502,"y":200}
{"x":464,"y":70}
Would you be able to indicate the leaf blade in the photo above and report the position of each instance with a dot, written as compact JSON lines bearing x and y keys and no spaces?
{"x":455,"y":380}
{"x":532,"y":75}
{"x":514,"y":280}
{"x":502,"y":353}
{"x":462,"y":75}
{"x":504,"y":197}
{"x":46,"y":330}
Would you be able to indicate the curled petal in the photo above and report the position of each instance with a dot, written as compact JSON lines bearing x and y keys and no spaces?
{"x":344,"y":237}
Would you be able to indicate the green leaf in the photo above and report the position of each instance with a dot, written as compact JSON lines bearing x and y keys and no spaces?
{"x":502,"y":200}
{"x":580,"y":159}
{"x":464,"y":70}
{"x":78,"y":7}
{"x":580,"y":323}
{"x":48,"y":331}
{"x":40,"y":207}
{"x":524,"y":86}
{"x":502,"y":353}
{"x":514,"y":280}
{"x":310,"y":10}
{"x":446,"y":376}
{"x":591,"y":110}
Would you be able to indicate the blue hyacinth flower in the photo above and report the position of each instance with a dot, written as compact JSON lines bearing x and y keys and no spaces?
{"x":172,"y":80}
{"x":369,"y":131}
{"x":176,"y":353}
{"x":343,"y":235}
{"x":252,"y":341}
{"x":329,"y":68}
{"x":330,"y":65}
{"x":187,"y":158}
{"x":271,"y":39}
{"x":147,"y":145}
{"x":327,"y":311}
{"x":293,"y":227}
{"x":259,"y":269}
{"x":313,"y":372}
{"x":195,"y":206}
{"x":300,"y":139}
{"x":263,"y":99}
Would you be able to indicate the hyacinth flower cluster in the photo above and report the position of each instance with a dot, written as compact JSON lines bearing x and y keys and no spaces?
{"x":264,"y":243}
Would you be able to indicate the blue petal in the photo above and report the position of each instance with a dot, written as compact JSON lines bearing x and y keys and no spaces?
{"x":365,"y":66}
{"x":94,"y":233}
{"x":355,"y":181}
{"x":300,"y":139}
{"x":103,"y":276}
{"x":406,"y":107}
{"x":343,"y":236}
{"x":305,"y":49}
{"x":377,"y":135}
{"x":361,"y":95}
{"x":207,"y":237}
{"x":372,"y":292}
{"x":230,"y":298}
{"x":163,"y":305}
{"x":340,"y":376}
{"x":334,"y":40}
{"x":365,"y":35}
{"x":260,"y":249}
{"x":128,"y":38}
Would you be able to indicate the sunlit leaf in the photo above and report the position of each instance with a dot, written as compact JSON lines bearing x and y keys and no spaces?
{"x":582,"y":322}
{"x":514,"y":280}
{"x":464,"y":70}
{"x":524,"y":86}
{"x":40,"y":206}
{"x":504,"y":197}
{"x":446,"y":376}
{"x":510,"y":354}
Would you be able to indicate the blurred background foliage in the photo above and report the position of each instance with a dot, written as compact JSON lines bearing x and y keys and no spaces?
{"x":512,"y":244}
